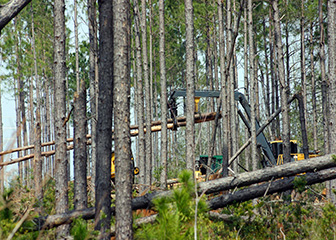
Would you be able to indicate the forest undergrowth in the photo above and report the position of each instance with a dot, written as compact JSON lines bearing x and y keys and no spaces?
{"x":303,"y":214}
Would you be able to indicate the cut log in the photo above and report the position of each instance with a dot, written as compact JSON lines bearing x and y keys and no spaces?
{"x":261,"y":175}
{"x":10,"y":9}
{"x":156,"y":126}
{"x":277,"y":186}
{"x":313,"y":166}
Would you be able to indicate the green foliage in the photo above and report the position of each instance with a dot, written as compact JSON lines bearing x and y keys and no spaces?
{"x":300,"y":183}
{"x":79,"y":229}
{"x":176,"y":214}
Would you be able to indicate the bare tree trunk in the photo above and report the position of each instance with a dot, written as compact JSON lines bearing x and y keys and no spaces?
{"x":272,"y":72}
{"x":151,"y":84}
{"x":248,"y":164}
{"x":163,"y":98}
{"x":50,"y":167}
{"x":284,"y":87}
{"x":93,"y":58}
{"x":21,"y":104}
{"x":148,"y":95}
{"x":140,"y":97}
{"x":313,"y":88}
{"x":332,"y":87}
{"x":233,"y":111}
{"x":303,"y":59}
{"x":124,"y":171}
{"x":37,"y":134}
{"x":104,"y":123}
{"x":9,"y":10}
{"x":61,"y":160}
{"x":253,"y":83}
{"x":223,"y":89}
{"x":80,"y":154}
{"x":324,"y":81}
{"x":216,"y":80}
{"x":190,"y":86}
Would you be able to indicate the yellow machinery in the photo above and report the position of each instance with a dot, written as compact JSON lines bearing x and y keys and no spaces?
{"x":296,"y":153}
{"x":136,"y":170}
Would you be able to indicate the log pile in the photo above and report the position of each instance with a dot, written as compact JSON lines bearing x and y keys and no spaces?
{"x":257,"y":184}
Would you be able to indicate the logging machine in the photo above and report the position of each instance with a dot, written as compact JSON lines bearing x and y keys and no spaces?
{"x":272,"y":151}
{"x":263,"y":144}
{"x":296,"y":151}
{"x":136,"y":170}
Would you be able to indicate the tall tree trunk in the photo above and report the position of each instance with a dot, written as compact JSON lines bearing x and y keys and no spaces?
{"x":76,"y":46}
{"x":163,"y":98}
{"x":80,"y":131}
{"x":267,"y":92}
{"x":104,"y":123}
{"x":248,"y":163}
{"x":303,"y":59}
{"x":232,"y":102}
{"x":93,"y":58}
{"x":37,"y":134}
{"x":21,"y":106}
{"x":18,"y":133}
{"x":332,"y":87}
{"x":216,"y":81}
{"x":124,"y":171}
{"x":148,"y":94}
{"x":140,"y":96}
{"x":253,"y":84}
{"x":61,"y":160}
{"x":80,"y":154}
{"x":313,"y":87}
{"x":224,"y":146}
{"x":272,"y":72}
{"x":47,"y":126}
{"x":324,"y":81}
{"x":190,"y":86}
{"x":283,"y":85}
{"x":151,"y":84}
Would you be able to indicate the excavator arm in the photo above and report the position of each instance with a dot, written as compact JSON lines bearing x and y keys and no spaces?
{"x":239,"y":97}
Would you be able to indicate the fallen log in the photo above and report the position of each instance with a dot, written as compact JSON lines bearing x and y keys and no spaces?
{"x":10,"y":9}
{"x":261,"y":175}
{"x":155,"y":126}
{"x":277,"y":186}
{"x":314,"y":166}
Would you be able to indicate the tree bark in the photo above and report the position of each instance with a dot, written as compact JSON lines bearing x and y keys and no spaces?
{"x":305,"y":147}
{"x":248,"y":165}
{"x":284,"y":86}
{"x":324,"y":80}
{"x":93,"y":59}
{"x":303,"y":59}
{"x":37,"y":134}
{"x":270,"y":188}
{"x":140,"y":96}
{"x":80,"y":153}
{"x":163,"y":98}
{"x":253,"y":83}
{"x":190,"y":86}
{"x":313,"y":88}
{"x":148,"y":94}
{"x":104,"y":123}
{"x":10,"y":9}
{"x":121,"y":93}
{"x":224,"y":147}
{"x":61,"y":161}
{"x":332,"y":87}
